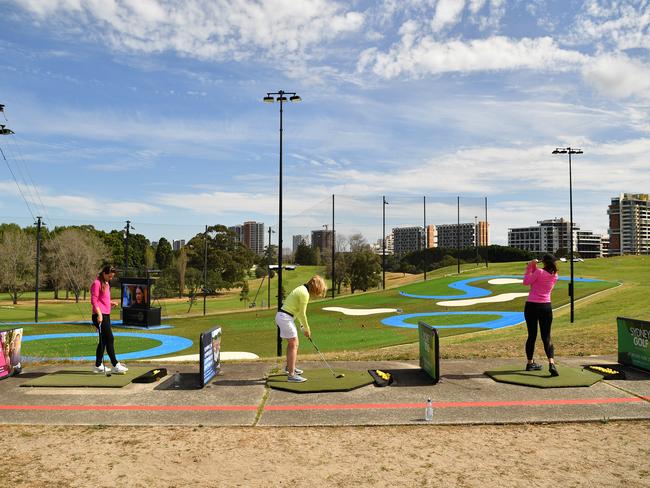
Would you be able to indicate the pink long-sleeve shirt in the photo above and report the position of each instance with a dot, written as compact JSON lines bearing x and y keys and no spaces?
{"x":100,"y":299}
{"x":541,"y":283}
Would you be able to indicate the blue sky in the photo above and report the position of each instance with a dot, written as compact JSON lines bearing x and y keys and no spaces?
{"x":151,"y":111}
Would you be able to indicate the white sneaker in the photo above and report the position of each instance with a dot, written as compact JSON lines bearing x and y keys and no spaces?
{"x":100,"y":369}
{"x":119,"y":368}
{"x":296,"y":371}
{"x":296,"y":379}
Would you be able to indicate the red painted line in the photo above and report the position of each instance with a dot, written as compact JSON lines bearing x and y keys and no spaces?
{"x":519,"y":403}
{"x":173,"y":408}
{"x":343,"y":406}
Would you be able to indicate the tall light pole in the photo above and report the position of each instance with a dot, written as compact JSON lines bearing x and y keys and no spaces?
{"x":476,"y":236}
{"x":570,"y":151}
{"x":126,"y":248}
{"x":268,"y":267}
{"x":383,"y":243}
{"x":270,"y":98}
{"x":205,"y":267}
{"x":39,"y":224}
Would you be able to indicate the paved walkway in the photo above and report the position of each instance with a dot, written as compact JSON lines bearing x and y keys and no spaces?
{"x":239,"y":397}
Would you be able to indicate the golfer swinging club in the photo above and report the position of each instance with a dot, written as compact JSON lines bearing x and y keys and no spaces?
{"x":295,"y":307}
{"x":100,"y":300}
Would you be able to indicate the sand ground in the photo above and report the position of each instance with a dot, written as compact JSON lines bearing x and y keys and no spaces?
{"x":611,"y":454}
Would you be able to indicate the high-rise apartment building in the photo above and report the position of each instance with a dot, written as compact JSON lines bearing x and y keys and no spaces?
{"x":177,"y":245}
{"x":432,"y":236}
{"x":407,"y":240}
{"x":629,"y":224}
{"x":239,"y":232}
{"x":465,"y":235}
{"x":322,"y":239}
{"x":554,"y":234}
{"x":253,"y":233}
{"x":300,"y":239}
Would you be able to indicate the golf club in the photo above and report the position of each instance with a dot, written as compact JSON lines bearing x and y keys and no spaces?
{"x":340,"y":375}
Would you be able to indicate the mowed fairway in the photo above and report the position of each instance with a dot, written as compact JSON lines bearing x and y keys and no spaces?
{"x":365,"y":336}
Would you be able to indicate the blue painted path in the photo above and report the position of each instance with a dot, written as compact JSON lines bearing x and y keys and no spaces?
{"x":507,"y":319}
{"x":470,"y":291}
{"x":168,"y":344}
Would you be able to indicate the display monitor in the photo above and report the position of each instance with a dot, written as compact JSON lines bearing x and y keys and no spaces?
{"x":10,"y":343}
{"x":209,"y":355}
{"x":135,"y":295}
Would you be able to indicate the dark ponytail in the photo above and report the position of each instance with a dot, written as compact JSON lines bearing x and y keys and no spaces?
{"x":549,"y":263}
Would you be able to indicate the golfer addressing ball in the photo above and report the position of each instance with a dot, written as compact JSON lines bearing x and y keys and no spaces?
{"x":295,"y":307}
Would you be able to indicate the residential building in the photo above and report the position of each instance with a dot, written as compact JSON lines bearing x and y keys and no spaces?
{"x":432,"y":236}
{"x":463,"y":235}
{"x":551,"y":235}
{"x":322,"y":239}
{"x":177,"y":245}
{"x":239,"y":232}
{"x":629,"y":224}
{"x":253,"y":236}
{"x":300,"y":239}
{"x":407,"y":240}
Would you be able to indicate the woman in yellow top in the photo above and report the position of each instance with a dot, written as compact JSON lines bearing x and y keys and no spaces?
{"x":295,"y":307}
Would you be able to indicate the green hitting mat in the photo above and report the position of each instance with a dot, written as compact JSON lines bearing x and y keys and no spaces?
{"x":77,"y":377}
{"x":322,"y":380}
{"x":543,"y":379}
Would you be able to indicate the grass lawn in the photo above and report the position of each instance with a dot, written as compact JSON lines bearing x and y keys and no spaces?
{"x":343,"y":336}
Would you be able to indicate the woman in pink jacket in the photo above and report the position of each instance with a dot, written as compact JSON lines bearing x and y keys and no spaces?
{"x":100,"y":300}
{"x":539,"y":310}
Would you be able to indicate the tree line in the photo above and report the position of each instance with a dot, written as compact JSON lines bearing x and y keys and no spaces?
{"x":71,"y":257}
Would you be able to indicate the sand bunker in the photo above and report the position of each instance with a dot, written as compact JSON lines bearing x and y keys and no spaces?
{"x":225,"y":356}
{"x":504,"y":297}
{"x":357,"y":311}
{"x":504,"y":281}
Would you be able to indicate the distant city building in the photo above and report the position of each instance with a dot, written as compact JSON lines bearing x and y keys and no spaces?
{"x":300,"y":239}
{"x":465,"y":235}
{"x":629,"y":224}
{"x":432,"y":236}
{"x":322,"y":239}
{"x":551,"y":235}
{"x":407,"y":240}
{"x":177,"y":245}
{"x":378,"y":246}
{"x":154,"y":244}
{"x":253,"y":236}
{"x":239,"y":232}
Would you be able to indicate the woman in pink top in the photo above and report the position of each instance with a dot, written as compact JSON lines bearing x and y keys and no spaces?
{"x":539,"y":310}
{"x":100,"y":300}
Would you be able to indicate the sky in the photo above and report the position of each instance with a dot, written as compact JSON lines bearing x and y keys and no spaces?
{"x":151,"y":111}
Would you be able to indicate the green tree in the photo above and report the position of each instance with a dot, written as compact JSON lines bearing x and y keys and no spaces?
{"x":243,"y":294}
{"x":17,"y":262}
{"x":164,"y":254}
{"x":305,"y":255}
{"x":364,"y":270}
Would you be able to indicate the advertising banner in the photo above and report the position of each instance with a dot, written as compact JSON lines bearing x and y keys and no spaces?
{"x":10,"y":342}
{"x":210,"y":355}
{"x":633,"y":342}
{"x":429,"y":350}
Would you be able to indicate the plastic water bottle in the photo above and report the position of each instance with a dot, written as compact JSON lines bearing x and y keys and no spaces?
{"x":428,"y":412}
{"x":177,"y":380}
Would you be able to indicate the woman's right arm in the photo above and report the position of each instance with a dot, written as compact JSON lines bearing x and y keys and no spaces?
{"x":530,"y":276}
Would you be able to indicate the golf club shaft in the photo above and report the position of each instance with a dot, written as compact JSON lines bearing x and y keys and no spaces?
{"x":321,"y":356}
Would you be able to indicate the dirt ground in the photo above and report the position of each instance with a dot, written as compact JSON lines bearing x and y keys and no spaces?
{"x":612,"y":454}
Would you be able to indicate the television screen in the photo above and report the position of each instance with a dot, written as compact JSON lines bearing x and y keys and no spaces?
{"x":210,"y":355}
{"x":10,"y":342}
{"x":135,"y":295}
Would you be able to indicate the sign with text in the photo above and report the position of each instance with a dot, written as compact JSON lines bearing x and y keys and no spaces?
{"x":633,"y":342}
{"x":429,"y":350}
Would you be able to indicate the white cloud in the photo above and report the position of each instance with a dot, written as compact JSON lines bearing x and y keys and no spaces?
{"x":618,"y":76}
{"x":498,"y":53}
{"x":204,"y":29}
{"x":448,"y":13}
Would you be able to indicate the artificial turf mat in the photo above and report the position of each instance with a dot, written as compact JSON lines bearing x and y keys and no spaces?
{"x":321,"y":380}
{"x":542,"y":379}
{"x":84,"y":377}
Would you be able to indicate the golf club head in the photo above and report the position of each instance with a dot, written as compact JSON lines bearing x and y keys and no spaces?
{"x":340,"y":375}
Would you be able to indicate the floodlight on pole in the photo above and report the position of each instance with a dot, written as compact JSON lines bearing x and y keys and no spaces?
{"x":270,"y":98}
{"x":570,"y":151}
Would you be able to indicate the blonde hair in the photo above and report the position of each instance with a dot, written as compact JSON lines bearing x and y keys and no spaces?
{"x":317,"y":286}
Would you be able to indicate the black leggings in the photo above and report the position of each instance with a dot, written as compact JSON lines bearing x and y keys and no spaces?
{"x":542,"y":313}
{"x":106,"y":340}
